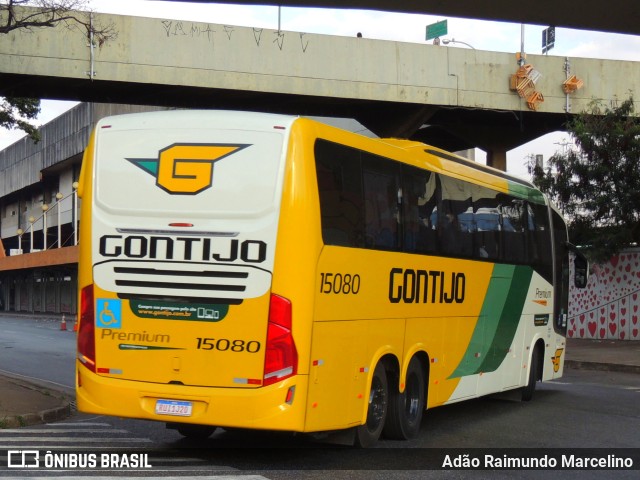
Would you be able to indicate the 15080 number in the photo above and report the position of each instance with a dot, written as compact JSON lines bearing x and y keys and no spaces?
{"x":224,"y":345}
{"x":339,"y":283}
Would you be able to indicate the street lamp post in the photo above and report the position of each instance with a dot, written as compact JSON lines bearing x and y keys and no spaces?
{"x":75,"y":186}
{"x":279,"y":16}
{"x":20,"y":232}
{"x":522,"y":54}
{"x":58,"y":198}
{"x":45,"y":207}
{"x":447,"y":41}
{"x":31,"y":220}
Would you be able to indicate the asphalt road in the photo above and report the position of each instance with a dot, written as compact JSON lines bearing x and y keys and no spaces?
{"x":583,"y":410}
{"x":38,"y":349}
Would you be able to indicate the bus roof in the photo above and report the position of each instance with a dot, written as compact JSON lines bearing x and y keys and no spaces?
{"x":417,"y":153}
{"x":459,"y":166}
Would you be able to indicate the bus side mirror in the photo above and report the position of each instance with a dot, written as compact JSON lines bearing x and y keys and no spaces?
{"x":581,"y":270}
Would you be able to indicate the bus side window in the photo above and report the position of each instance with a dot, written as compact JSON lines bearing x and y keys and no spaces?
{"x":456,"y":223}
{"x":339,"y":186}
{"x":539,"y":239}
{"x":487,"y":219}
{"x":419,"y":210}
{"x":382,"y":198}
{"x":513,"y":231}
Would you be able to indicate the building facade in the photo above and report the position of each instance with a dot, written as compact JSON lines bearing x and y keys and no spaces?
{"x":39,"y":211}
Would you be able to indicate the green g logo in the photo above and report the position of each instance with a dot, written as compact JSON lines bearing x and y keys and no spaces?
{"x":186,"y":169}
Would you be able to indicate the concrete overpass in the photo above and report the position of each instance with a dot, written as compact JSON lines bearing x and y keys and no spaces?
{"x":620,"y":16}
{"x":451,"y":97}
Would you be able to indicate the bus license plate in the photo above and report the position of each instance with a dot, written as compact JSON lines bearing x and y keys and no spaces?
{"x":174,"y":407}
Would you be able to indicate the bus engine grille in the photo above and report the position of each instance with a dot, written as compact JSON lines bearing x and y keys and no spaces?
{"x":173,"y":279}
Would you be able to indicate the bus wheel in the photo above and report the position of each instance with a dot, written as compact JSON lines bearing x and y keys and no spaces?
{"x":368,"y":434}
{"x":195,"y":432}
{"x":406,"y":409}
{"x":534,"y":375}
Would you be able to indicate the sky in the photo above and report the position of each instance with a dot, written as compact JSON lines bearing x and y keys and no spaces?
{"x":482,"y":35}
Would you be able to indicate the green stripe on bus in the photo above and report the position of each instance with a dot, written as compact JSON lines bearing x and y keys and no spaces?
{"x":509,"y":320}
{"x":527,"y":193}
{"x":498,"y":322}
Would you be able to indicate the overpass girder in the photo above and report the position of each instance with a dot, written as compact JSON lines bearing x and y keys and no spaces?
{"x":393,"y":88}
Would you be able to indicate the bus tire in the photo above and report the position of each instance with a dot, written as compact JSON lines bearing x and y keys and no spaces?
{"x":195,"y":432}
{"x":368,"y":434}
{"x":405,"y":409}
{"x":534,"y":375}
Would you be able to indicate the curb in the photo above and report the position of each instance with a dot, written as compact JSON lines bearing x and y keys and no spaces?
{"x":60,"y":412}
{"x":602,"y":367}
{"x":44,"y":416}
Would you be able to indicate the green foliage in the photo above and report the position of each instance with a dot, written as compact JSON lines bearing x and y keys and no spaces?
{"x":597,"y":186}
{"x":16,"y":113}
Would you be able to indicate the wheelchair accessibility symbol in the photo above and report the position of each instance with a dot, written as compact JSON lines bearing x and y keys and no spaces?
{"x":109,"y":313}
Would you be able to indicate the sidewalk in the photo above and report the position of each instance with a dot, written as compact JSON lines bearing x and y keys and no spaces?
{"x":22,"y":403}
{"x":607,"y":355}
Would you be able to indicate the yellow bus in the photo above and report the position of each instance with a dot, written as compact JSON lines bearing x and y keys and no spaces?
{"x":257,"y":271}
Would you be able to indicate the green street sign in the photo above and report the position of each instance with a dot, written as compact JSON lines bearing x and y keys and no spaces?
{"x":438,"y":29}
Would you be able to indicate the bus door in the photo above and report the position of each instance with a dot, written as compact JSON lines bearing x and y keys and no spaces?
{"x":561,"y":289}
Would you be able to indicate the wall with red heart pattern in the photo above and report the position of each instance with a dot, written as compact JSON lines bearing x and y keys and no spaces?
{"x":609,"y":308}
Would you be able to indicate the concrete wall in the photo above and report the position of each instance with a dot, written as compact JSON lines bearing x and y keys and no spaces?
{"x":21,"y":164}
{"x":609,"y":308}
{"x":196,"y":54}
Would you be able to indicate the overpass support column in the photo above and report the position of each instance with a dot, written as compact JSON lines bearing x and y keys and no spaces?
{"x":497,"y":158}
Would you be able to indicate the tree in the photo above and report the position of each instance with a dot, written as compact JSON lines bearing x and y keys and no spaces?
{"x":597,"y":185}
{"x":14,"y":111}
{"x":32,"y":14}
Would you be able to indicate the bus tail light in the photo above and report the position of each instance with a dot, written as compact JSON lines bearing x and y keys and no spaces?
{"x":281,"y":357}
{"x":86,"y":331}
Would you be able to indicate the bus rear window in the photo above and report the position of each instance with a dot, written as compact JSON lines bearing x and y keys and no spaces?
{"x":199,"y":172}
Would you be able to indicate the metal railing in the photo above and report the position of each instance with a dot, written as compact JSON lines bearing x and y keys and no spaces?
{"x":48,"y":210}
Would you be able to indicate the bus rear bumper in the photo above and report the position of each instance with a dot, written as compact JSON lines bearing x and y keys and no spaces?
{"x":276,"y":407}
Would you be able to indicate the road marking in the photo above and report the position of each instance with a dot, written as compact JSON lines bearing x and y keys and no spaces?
{"x":131,"y":473}
{"x":56,"y":436}
{"x":78,"y":424}
{"x":633,"y":389}
{"x":62,"y":430}
{"x":80,"y":439}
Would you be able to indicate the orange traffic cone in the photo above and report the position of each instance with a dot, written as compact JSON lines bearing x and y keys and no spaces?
{"x":75,"y":325}
{"x":63,"y":324}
